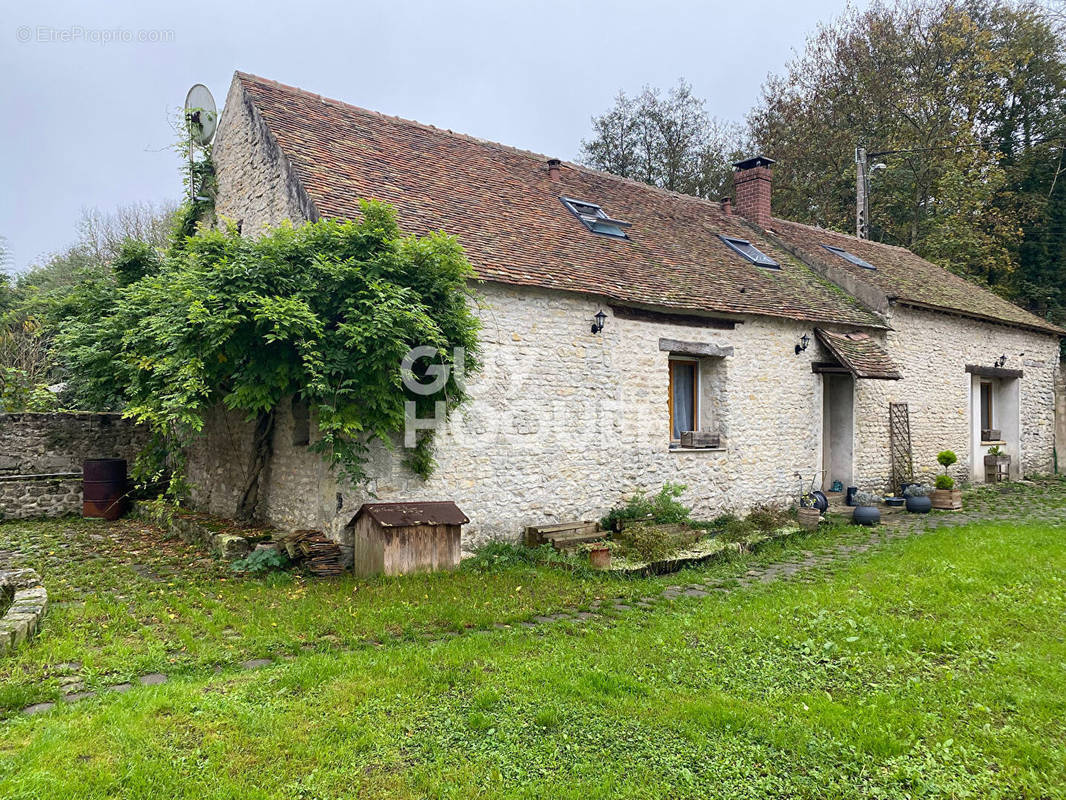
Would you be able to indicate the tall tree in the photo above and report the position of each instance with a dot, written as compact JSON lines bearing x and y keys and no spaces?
{"x":667,"y":140}
{"x":965,"y":97}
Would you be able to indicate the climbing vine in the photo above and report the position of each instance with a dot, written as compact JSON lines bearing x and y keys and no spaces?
{"x":324,"y":312}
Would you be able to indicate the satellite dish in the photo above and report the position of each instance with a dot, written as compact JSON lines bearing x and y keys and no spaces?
{"x":201,"y":116}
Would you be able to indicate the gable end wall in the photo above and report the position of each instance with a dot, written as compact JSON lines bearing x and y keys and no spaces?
{"x":256,"y":184}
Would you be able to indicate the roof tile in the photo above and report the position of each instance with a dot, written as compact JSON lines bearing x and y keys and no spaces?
{"x":506,"y":211}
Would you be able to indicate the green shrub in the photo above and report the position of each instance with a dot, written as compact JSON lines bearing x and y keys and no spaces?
{"x":644,"y":542}
{"x":767,"y":519}
{"x":945,"y":482}
{"x":662,"y":509}
{"x":946,"y":458}
{"x":260,"y":562}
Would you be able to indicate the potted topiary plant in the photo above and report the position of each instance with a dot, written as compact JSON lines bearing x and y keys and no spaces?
{"x":866,"y":511}
{"x":947,"y":496}
{"x":918,"y":500}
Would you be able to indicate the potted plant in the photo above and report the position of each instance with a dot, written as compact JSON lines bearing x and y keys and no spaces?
{"x":918,"y":500}
{"x":599,"y":553}
{"x":947,"y":496}
{"x":997,"y":464}
{"x":809,"y":515}
{"x":866,"y":511}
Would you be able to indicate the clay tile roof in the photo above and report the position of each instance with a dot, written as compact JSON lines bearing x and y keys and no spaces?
{"x":905,"y":277}
{"x":400,"y":515}
{"x":506,"y":212}
{"x":863,"y":356}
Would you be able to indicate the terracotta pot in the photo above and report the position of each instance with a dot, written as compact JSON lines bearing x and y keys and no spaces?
{"x":947,"y":499}
{"x":809,"y":518}
{"x":919,"y":505}
{"x":600,"y":558}
{"x":866,"y":515}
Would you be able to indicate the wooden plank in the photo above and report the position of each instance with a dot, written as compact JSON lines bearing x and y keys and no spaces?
{"x":689,"y":320}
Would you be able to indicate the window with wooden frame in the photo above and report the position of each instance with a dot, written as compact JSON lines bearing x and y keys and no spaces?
{"x":684,"y":397}
{"x":987,"y":417}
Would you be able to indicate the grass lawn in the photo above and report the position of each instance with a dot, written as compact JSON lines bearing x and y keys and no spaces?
{"x":933,"y":666}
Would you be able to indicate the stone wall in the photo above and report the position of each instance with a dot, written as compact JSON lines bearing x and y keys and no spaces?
{"x":564,"y":424}
{"x":27,"y":496}
{"x":41,"y":457}
{"x":932,"y":351}
{"x":256,"y":186}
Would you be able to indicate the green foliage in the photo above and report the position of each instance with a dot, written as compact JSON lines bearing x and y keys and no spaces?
{"x":260,"y":562}
{"x":946,"y":458}
{"x":18,"y":392}
{"x":325,"y":311}
{"x":665,"y":140}
{"x":664,"y":508}
{"x":995,"y":450}
{"x":972,"y":97}
{"x":647,"y":542}
{"x":917,"y":490}
{"x":497,"y":556}
{"x":135,"y":260}
{"x":945,"y":482}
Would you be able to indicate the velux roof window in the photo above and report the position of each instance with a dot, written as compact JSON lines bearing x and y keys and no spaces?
{"x":844,"y":254}
{"x":595,"y":219}
{"x":750,"y":252}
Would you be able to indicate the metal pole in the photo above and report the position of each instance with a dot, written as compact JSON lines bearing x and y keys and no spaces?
{"x":862,"y":194}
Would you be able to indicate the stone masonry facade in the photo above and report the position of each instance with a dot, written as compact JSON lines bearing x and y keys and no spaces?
{"x":41,"y":458}
{"x":563,"y":424}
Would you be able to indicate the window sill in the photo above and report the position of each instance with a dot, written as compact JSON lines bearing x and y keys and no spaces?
{"x":719,"y":449}
{"x":993,"y":443}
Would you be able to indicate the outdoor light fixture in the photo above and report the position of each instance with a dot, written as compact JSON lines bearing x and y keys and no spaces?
{"x":804,"y":341}
{"x":597,"y":326}
{"x":1001,"y":361}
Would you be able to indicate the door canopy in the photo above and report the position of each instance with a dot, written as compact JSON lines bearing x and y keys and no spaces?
{"x":858,"y":354}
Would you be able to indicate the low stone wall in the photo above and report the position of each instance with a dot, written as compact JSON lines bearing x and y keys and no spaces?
{"x":27,"y":496}
{"x":41,"y":458}
{"x":220,"y":536}
{"x":29,"y":601}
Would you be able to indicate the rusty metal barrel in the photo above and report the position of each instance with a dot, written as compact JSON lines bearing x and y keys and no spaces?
{"x":104,"y":485}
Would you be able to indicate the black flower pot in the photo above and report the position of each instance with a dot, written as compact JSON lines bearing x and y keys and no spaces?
{"x":919,"y":505}
{"x":866,"y":515}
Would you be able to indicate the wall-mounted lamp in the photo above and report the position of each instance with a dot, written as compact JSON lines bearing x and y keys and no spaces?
{"x":597,"y":326}
{"x":1001,"y":361}
{"x":804,"y":341}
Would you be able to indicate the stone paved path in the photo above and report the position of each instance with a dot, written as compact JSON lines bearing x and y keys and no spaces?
{"x":796,"y":565}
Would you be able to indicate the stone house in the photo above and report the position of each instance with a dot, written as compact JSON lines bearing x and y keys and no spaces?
{"x":784,"y":344}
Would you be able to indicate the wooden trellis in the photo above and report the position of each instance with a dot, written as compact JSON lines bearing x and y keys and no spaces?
{"x":899,"y":431}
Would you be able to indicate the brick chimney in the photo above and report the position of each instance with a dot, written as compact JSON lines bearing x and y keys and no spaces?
{"x":555,"y":168}
{"x":752,"y":181}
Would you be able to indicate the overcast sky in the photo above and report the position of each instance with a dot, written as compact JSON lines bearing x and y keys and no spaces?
{"x":87,"y":102}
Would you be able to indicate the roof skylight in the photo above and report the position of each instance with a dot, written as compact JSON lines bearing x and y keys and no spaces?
{"x":750,"y":252}
{"x":595,"y":218}
{"x":844,"y":254}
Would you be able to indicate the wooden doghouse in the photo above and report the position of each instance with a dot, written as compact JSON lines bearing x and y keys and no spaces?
{"x":399,"y":538}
